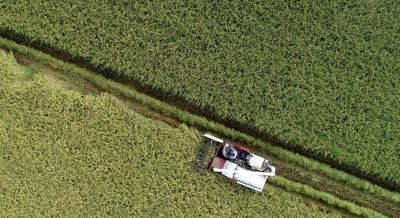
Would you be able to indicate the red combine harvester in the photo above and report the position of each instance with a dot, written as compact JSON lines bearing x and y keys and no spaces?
{"x":238,"y":164}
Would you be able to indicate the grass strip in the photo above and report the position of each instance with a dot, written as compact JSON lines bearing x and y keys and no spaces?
{"x":117,"y":88}
{"x":325,"y":197}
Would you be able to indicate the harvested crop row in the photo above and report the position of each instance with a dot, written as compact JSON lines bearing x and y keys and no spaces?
{"x":63,"y":154}
{"x":322,"y":76}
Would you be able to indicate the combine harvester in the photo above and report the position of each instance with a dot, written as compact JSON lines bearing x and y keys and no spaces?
{"x":239,"y":164}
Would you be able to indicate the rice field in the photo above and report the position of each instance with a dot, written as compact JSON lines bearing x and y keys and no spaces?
{"x":320,"y":75}
{"x":68,"y":153}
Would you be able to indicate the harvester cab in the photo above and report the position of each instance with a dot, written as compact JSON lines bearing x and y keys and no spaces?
{"x":237,"y":163}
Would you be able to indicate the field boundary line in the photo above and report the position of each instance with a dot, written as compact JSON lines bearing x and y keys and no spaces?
{"x":325,"y":197}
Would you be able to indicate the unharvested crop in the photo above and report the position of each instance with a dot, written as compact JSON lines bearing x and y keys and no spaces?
{"x":192,"y":119}
{"x":63,"y":153}
{"x":323,"y":76}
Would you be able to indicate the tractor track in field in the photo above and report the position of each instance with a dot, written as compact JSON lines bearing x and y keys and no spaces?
{"x":288,"y":170}
{"x":194,"y":109}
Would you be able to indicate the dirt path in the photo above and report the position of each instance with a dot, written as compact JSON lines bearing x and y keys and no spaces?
{"x":287,"y":170}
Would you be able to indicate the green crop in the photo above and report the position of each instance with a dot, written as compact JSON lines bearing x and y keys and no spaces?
{"x":194,"y":120}
{"x":323,"y":76}
{"x":63,"y":153}
{"x":122,"y":90}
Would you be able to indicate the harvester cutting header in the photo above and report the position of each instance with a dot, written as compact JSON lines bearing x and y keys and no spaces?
{"x":238,"y":164}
